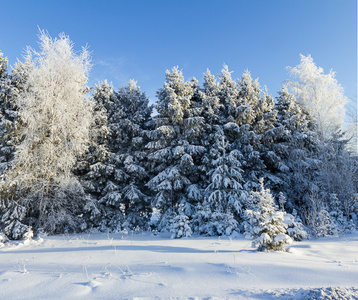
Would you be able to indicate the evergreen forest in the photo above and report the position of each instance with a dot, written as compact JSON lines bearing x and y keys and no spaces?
{"x":216,"y":158}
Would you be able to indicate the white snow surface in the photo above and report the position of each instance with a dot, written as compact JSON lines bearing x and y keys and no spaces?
{"x":141,"y":265}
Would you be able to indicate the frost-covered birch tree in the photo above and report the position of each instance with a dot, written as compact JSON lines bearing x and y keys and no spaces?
{"x":320,"y":94}
{"x":352,"y":130}
{"x":57,"y":114}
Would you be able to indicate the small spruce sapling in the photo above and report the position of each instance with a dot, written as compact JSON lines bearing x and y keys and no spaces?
{"x":295,"y":227}
{"x":180,"y":225}
{"x":265,"y":223}
{"x":29,"y":234}
{"x":12,"y":221}
{"x":3,"y":239}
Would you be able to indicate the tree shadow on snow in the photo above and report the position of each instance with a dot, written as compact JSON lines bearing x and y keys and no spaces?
{"x":150,"y":248}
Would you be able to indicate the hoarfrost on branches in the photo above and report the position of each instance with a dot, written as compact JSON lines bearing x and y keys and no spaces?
{"x":57,"y":116}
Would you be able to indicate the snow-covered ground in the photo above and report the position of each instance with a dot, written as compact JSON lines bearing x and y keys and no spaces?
{"x":110,"y":266}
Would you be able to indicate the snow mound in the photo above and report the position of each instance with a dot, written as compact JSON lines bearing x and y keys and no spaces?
{"x":328,"y":294}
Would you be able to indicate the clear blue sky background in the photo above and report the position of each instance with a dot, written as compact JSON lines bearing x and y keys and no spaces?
{"x":140,"y":39}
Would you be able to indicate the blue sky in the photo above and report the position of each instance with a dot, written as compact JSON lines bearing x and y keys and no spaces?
{"x":140,"y":39}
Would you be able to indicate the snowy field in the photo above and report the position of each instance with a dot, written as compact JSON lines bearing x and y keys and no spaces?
{"x":102,"y":266}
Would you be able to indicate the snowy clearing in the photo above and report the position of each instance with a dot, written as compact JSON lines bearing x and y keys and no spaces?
{"x":112,"y":266}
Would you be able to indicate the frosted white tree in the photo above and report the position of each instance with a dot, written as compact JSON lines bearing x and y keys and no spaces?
{"x":57,"y":115}
{"x":320,"y":93}
{"x":352,"y":133}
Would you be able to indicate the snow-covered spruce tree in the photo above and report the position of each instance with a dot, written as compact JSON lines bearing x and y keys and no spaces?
{"x":13,"y":220}
{"x":317,"y":217}
{"x":320,"y":94}
{"x":117,"y":174}
{"x":5,"y":92}
{"x":320,"y":169}
{"x":249,"y":97}
{"x":3,"y":66}
{"x":256,"y":119}
{"x":247,"y":124}
{"x":93,"y":168}
{"x":238,"y":114}
{"x":237,"y":118}
{"x":12,"y":214}
{"x":57,"y":116}
{"x":338,"y":179}
{"x":295,"y":228}
{"x":3,"y":239}
{"x":266,"y":224}
{"x":179,"y":224}
{"x":344,"y":224}
{"x":175,"y":147}
{"x":210,"y":101}
{"x":128,"y":126}
{"x":324,"y":99}
{"x":228,"y":96}
{"x":225,"y":191}
{"x":8,"y":115}
{"x":234,"y":120}
{"x":295,"y":138}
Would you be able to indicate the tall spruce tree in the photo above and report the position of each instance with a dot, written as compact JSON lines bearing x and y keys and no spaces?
{"x":8,"y":115}
{"x":129,"y":138}
{"x":231,"y":116}
{"x":175,"y":147}
{"x":296,"y":138}
{"x":116,"y":178}
{"x":93,"y":167}
{"x":251,"y":124}
{"x":338,"y":180}
{"x":12,"y":214}
{"x":225,"y":191}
